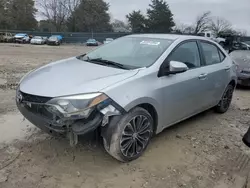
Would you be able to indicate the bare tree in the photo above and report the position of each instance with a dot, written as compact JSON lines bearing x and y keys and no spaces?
{"x":220,"y":25}
{"x":120,"y":26}
{"x":202,"y":22}
{"x":72,"y":5}
{"x":243,"y":33}
{"x":184,"y":29}
{"x":57,"y":11}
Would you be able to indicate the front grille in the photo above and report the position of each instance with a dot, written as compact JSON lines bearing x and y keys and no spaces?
{"x":34,"y":98}
{"x":40,"y":110}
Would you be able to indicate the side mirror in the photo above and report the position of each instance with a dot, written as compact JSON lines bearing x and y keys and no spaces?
{"x":174,"y":67}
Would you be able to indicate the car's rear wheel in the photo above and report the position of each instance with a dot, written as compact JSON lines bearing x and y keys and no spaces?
{"x":130,"y":136}
{"x":226,"y":100}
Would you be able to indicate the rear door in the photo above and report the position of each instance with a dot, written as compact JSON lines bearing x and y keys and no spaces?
{"x":217,"y":67}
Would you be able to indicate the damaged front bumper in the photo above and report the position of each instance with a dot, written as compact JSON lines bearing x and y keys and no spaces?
{"x":35,"y":110}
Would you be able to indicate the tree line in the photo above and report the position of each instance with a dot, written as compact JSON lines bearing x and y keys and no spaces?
{"x":94,"y":16}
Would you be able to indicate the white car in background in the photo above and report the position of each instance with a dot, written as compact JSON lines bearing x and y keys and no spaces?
{"x":209,"y":34}
{"x":108,"y":40}
{"x":21,"y":38}
{"x":37,"y":40}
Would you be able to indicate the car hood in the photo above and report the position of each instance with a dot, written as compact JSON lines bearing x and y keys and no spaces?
{"x":71,"y":76}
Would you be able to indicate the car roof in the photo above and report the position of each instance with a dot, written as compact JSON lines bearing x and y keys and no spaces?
{"x":168,"y":36}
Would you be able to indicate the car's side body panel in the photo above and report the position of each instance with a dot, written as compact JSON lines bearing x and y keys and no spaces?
{"x":174,"y":97}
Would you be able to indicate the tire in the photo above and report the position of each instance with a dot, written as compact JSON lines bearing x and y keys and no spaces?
{"x":130,"y":135}
{"x":226,"y":100}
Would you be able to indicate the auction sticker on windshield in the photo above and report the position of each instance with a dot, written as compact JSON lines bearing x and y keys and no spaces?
{"x":150,"y":43}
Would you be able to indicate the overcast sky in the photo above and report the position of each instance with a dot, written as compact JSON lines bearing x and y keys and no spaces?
{"x":185,"y":11}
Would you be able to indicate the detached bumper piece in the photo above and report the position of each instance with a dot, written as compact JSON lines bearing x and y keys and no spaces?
{"x":33,"y":108}
{"x":246,"y":138}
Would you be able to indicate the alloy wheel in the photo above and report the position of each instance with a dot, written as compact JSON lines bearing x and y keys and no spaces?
{"x":227,"y":98}
{"x":135,"y":136}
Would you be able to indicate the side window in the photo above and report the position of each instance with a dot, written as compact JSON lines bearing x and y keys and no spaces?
{"x":187,"y":53}
{"x":211,"y":53}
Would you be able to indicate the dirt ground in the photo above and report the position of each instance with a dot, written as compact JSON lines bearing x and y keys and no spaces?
{"x":204,"y":151}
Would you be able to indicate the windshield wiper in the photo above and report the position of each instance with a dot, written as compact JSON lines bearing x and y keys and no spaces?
{"x":108,"y":62}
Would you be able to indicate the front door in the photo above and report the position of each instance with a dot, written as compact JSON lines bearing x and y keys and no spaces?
{"x":183,"y":93}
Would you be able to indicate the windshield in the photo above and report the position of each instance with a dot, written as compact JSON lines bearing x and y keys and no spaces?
{"x":131,"y":51}
{"x":20,"y":34}
{"x":53,"y":38}
{"x":91,"y":40}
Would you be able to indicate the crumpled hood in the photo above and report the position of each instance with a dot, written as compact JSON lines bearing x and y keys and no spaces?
{"x":71,"y":76}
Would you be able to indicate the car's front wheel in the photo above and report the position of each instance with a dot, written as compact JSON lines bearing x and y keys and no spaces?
{"x":130,"y":135}
{"x":226,"y":100}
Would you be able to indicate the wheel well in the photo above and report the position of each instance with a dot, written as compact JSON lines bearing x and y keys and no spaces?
{"x":233,"y":83}
{"x":151,"y":110}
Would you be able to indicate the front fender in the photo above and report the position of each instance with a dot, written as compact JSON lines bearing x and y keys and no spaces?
{"x":140,"y":101}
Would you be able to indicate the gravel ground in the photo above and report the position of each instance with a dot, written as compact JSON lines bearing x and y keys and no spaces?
{"x":204,"y":151}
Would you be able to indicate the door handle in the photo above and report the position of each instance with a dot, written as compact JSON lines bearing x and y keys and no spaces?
{"x":227,"y":68}
{"x":202,"y":76}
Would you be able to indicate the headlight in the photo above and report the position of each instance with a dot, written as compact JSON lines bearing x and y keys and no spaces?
{"x":76,"y":105}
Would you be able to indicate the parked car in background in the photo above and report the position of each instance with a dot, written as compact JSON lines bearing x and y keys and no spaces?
{"x":242,"y":60}
{"x":37,"y":40}
{"x":92,"y":42}
{"x":108,"y":40}
{"x":129,"y":90}
{"x":45,"y":39}
{"x":6,"y":37}
{"x":209,"y":34}
{"x":54,"y":40}
{"x":247,"y":42}
{"x":245,"y":46}
{"x":22,"y":38}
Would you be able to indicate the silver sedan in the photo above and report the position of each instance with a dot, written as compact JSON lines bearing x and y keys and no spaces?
{"x":129,"y":90}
